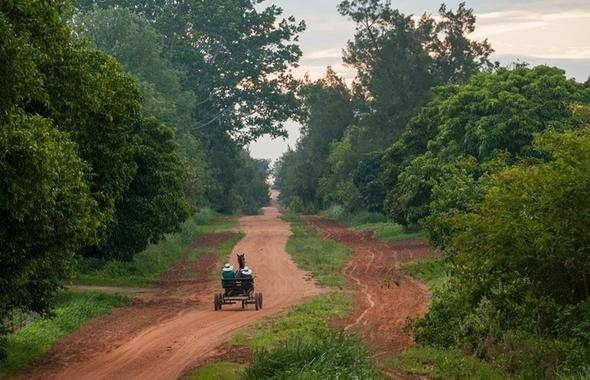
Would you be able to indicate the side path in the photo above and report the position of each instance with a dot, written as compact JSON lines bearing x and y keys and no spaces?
{"x":166,"y":344}
{"x":386,"y":297}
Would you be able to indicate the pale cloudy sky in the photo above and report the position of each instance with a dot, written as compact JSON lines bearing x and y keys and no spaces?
{"x":555,"y":32}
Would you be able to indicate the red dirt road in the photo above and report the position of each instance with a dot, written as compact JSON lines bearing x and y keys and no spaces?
{"x":164,"y":335}
{"x":386,"y":297}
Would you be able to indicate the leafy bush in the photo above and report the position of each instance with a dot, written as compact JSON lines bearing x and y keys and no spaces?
{"x":519,"y":289}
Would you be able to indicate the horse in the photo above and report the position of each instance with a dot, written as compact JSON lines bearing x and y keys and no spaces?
{"x":241,"y":261}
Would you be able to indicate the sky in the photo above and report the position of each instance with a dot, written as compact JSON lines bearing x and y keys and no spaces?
{"x":554,"y":32}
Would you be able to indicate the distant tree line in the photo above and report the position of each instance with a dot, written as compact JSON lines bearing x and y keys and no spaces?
{"x":118,"y":119}
{"x":490,"y":161}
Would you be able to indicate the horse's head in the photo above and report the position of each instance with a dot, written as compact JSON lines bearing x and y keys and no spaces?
{"x":241,"y":260}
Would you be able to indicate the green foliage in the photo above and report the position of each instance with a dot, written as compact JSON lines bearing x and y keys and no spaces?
{"x":329,"y":357}
{"x":307,"y":320}
{"x":432,"y":271}
{"x":236,"y":57}
{"x":149,"y":265}
{"x":519,"y":288}
{"x":70,"y":311}
{"x":398,"y":62}
{"x":444,"y":364}
{"x":140,"y":49}
{"x":154,"y":204}
{"x":326,"y":113}
{"x":218,"y":371}
{"x":323,"y":258}
{"x":442,"y":162}
{"x":301,"y":344}
{"x":46,"y":209}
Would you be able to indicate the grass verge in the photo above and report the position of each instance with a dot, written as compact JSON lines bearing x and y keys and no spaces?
{"x":325,"y":259}
{"x":218,"y":371}
{"x":37,"y":337}
{"x":431,"y":271}
{"x":373,"y":221}
{"x":389,"y":231}
{"x":444,"y":364}
{"x":149,"y":265}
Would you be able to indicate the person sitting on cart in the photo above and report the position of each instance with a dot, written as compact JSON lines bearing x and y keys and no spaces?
{"x":246,"y":274}
{"x":227,"y":273}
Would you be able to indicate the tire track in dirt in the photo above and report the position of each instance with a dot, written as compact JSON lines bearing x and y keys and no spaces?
{"x":386,"y":296}
{"x":165,"y":335}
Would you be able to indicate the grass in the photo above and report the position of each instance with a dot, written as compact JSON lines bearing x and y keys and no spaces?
{"x":37,"y":337}
{"x":229,"y":245}
{"x":444,"y":364}
{"x":309,"y":319}
{"x":149,"y":265}
{"x":301,"y":344}
{"x":218,"y":371}
{"x":430,"y":271}
{"x":323,"y":258}
{"x":389,"y":231}
{"x":337,"y":356}
{"x":374,"y":221}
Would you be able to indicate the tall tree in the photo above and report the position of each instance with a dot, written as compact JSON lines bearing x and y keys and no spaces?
{"x":139,"y":47}
{"x":326,"y":113}
{"x":398,"y":60}
{"x":155,"y":203}
{"x":488,"y":118}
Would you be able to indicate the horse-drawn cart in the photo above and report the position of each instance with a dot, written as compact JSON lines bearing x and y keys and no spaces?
{"x":238,"y":290}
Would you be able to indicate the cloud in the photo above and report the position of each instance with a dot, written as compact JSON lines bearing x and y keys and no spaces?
{"x":539,"y":32}
{"x":323,"y":54}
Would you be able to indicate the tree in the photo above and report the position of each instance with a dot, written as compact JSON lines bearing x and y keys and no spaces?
{"x":154,"y":204}
{"x":236,"y":57}
{"x":326,"y":113}
{"x":139,"y":47}
{"x":520,"y":262}
{"x":399,"y":60}
{"x":99,"y":106}
{"x":493,"y":113}
{"x":46,"y":209}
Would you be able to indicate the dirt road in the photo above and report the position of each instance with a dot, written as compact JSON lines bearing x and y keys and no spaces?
{"x":385,"y":295}
{"x":163,"y":335}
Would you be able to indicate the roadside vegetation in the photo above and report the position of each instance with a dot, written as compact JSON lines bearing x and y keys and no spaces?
{"x":489,"y":162}
{"x":149,"y":265}
{"x":433,"y":272}
{"x":324,"y":258}
{"x":71,"y":310}
{"x":35,"y":334}
{"x":383,"y":229}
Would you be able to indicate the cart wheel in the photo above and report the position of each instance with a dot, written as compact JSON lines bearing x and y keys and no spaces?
{"x":216,"y":302}
{"x":257,"y":301}
{"x":260,"y":295}
{"x":243,"y":305}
